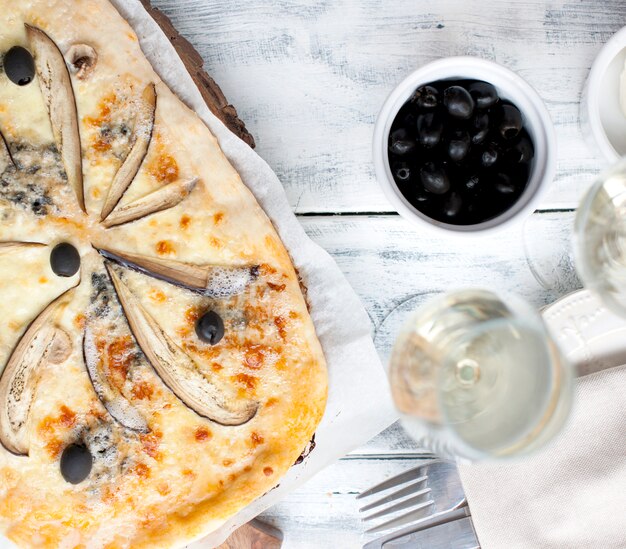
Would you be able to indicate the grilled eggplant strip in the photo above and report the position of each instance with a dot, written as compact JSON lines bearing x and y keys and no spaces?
{"x":164,"y":198}
{"x":208,"y":280}
{"x":6,"y":160}
{"x":58,"y":94}
{"x":142,"y":134}
{"x":118,"y":406}
{"x":177,"y":370}
{"x":16,"y":246}
{"x":18,"y":382}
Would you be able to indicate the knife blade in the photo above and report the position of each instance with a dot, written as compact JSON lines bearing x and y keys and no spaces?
{"x":458,"y":534}
{"x":431,"y":522}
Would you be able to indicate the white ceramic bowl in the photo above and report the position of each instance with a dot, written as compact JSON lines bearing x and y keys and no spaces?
{"x":510,"y":86}
{"x":602,"y":122}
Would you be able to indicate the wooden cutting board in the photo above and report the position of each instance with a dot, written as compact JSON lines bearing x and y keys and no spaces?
{"x":255,"y":534}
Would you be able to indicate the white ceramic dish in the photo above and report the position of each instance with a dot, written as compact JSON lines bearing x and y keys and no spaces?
{"x":587,"y":333}
{"x":510,"y":86}
{"x":602,"y":122}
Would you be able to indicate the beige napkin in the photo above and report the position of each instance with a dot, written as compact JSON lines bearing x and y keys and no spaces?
{"x":571,"y":495}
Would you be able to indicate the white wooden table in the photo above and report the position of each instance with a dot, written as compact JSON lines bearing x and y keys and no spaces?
{"x":308,"y":78}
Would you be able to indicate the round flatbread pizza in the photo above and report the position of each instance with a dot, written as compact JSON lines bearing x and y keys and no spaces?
{"x":159,"y":367}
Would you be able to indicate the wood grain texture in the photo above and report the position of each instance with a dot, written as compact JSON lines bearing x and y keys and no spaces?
{"x":211,"y":92}
{"x":309,"y":76}
{"x":254,"y":535}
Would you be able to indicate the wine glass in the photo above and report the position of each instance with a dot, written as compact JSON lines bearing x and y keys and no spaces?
{"x":600,"y":238}
{"x":475,"y":374}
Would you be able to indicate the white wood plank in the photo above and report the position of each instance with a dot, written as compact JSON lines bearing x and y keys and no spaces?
{"x":309,"y":77}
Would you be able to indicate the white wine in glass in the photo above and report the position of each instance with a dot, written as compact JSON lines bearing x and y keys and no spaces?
{"x":600,"y":238}
{"x":476,"y":375}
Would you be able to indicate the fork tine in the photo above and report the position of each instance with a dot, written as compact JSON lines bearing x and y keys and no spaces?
{"x":413,"y":516}
{"x":418,"y":499}
{"x":406,"y":491}
{"x":393,"y":481}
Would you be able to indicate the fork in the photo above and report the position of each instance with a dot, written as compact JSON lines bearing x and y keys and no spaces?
{"x":429,"y":491}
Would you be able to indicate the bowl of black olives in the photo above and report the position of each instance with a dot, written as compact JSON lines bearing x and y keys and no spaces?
{"x":464,"y":145}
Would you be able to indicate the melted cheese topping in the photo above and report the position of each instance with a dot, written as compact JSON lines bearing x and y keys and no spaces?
{"x":187,"y":475}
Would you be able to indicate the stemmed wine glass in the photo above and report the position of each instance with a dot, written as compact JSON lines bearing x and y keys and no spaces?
{"x":600,"y":238}
{"x":476,"y":374}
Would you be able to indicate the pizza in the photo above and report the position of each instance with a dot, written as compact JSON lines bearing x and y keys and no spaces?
{"x":159,"y":367}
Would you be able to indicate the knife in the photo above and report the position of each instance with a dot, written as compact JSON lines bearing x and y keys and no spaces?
{"x":458,"y":534}
{"x":405,"y":533}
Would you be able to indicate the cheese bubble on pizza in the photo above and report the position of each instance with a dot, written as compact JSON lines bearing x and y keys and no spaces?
{"x":159,"y":369}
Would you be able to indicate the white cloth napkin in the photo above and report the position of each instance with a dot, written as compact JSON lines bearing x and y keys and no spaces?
{"x":571,"y":495}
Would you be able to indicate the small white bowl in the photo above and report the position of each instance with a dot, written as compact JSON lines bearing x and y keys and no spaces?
{"x":510,"y":86}
{"x":602,"y":122}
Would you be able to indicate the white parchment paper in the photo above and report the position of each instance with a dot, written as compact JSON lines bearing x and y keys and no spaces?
{"x":359,"y":405}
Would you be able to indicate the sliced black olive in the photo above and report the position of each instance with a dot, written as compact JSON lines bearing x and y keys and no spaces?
{"x":459,"y":145}
{"x":210,"y":328}
{"x":489,"y":155}
{"x":426,"y":97}
{"x":402,"y":171}
{"x":434,"y":179}
{"x":429,"y":129}
{"x":19,"y":65}
{"x":76,"y":463}
{"x":65,"y":259}
{"x":485,"y":95}
{"x":480,"y":128}
{"x":511,"y":122}
{"x":400,"y":142}
{"x":459,"y":102}
{"x":453,"y":205}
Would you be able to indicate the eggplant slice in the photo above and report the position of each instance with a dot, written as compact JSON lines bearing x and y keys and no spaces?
{"x":163,"y":198}
{"x":209,"y":280}
{"x":179,"y":372}
{"x":18,"y":382}
{"x":118,"y":406}
{"x":58,"y":94}
{"x":142,"y":134}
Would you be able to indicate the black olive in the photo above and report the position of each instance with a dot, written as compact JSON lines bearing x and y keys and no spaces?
{"x":511,"y":122}
{"x":76,"y":463}
{"x":480,"y":128}
{"x":400,"y":142}
{"x":402,"y":172}
{"x":489,"y":155}
{"x":210,"y":328}
{"x":19,"y":65}
{"x":453,"y":205}
{"x":504,"y":185}
{"x":485,"y":95}
{"x":65,"y":260}
{"x":522,"y":151}
{"x":434,"y":179}
{"x":426,"y":97}
{"x":459,"y":102}
{"x":429,"y":129}
{"x":459,"y":145}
